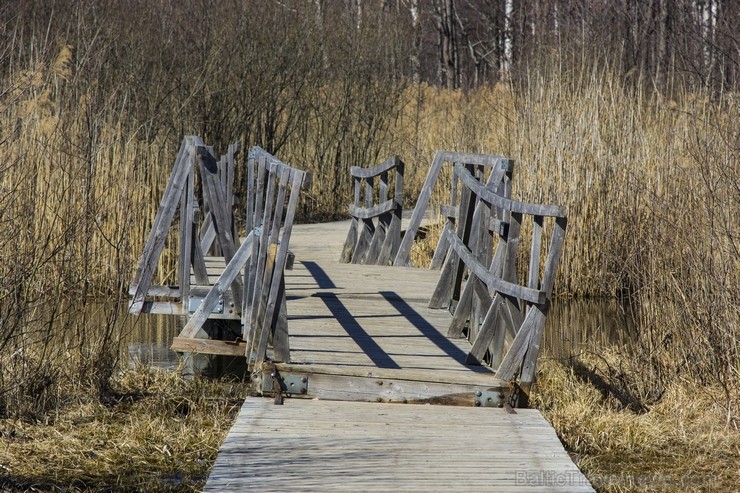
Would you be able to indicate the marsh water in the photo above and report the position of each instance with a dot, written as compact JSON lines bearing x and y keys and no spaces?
{"x":572,"y":327}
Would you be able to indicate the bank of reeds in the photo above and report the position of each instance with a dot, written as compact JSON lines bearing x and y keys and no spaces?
{"x":650,"y":184}
{"x":624,"y":441}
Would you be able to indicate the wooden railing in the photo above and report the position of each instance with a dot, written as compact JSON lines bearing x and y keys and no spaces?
{"x":249,"y":293}
{"x":375,"y":233}
{"x":502,"y":318}
{"x":272,"y":196}
{"x":480,"y":165}
{"x":196,"y":236}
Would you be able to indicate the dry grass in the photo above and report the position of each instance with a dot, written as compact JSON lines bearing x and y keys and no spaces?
{"x":624,"y":440}
{"x":155,"y":432}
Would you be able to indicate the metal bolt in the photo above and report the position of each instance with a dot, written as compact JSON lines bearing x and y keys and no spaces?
{"x":490,"y":400}
{"x":478,"y":394}
{"x":304,"y":379}
{"x":477,"y":403}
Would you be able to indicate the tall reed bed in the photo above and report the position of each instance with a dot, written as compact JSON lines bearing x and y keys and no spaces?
{"x":650,"y":183}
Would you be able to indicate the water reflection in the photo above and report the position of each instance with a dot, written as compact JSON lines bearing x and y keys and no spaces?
{"x":148,"y":340}
{"x":573,"y":326}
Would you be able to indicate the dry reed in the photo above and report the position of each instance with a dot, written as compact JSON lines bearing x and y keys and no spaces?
{"x":156,"y":432}
{"x":678,"y":442}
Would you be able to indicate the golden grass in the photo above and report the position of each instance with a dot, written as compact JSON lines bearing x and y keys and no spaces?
{"x":680,"y":442}
{"x":156,"y":432}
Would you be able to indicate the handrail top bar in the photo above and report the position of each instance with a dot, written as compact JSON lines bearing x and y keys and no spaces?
{"x":390,"y":163}
{"x":492,"y":280}
{"x":370,"y":212}
{"x":472,"y":158}
{"x":196,"y":141}
{"x":503,"y":203}
{"x":257,"y":151}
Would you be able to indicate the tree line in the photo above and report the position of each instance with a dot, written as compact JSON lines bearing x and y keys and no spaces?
{"x":467,"y":43}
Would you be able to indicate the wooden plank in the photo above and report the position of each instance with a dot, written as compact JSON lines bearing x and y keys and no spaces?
{"x":194,"y":326}
{"x":160,"y":291}
{"x":280,"y":327}
{"x":176,"y":308}
{"x":465,"y":227}
{"x":250,"y":274}
{"x":372,"y":212}
{"x":393,"y":231}
{"x":533,"y":278}
{"x":443,"y":246}
{"x":511,"y":365}
{"x":553,"y":255}
{"x":162,"y":222}
{"x":212,"y":191}
{"x":258,"y":277}
{"x":305,"y":445}
{"x":503,"y":203}
{"x":494,"y":282}
{"x":481,"y":379}
{"x":529,"y":364}
{"x":351,"y":241}
{"x":297,"y":178}
{"x":402,"y":257}
{"x":462,"y":312}
{"x":364,"y":173}
{"x":383,"y":221}
{"x":207,"y":346}
{"x":198,"y":258}
{"x":373,"y":249}
{"x":207,"y":233}
{"x":367,"y":228}
{"x":376,"y":389}
{"x":186,"y":236}
{"x":486,"y":333}
{"x":233,"y":150}
{"x":272,"y":272}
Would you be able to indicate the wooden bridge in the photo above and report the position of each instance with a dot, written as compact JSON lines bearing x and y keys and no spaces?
{"x":333,"y":348}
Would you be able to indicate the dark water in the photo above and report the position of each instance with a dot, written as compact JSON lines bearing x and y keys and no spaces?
{"x":572,"y":327}
{"x":575,"y":326}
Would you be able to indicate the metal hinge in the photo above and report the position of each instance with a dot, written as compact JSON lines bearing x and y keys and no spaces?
{"x":490,"y":398}
{"x":195,"y":301}
{"x":273,"y":382}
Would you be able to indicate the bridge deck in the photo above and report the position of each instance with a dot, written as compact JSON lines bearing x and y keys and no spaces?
{"x":310,"y":445}
{"x":364,"y":333}
{"x":358,"y":320}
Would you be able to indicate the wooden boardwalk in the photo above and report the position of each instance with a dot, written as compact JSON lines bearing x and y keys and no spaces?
{"x":361,"y":377}
{"x":364,"y":333}
{"x":313,"y":445}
